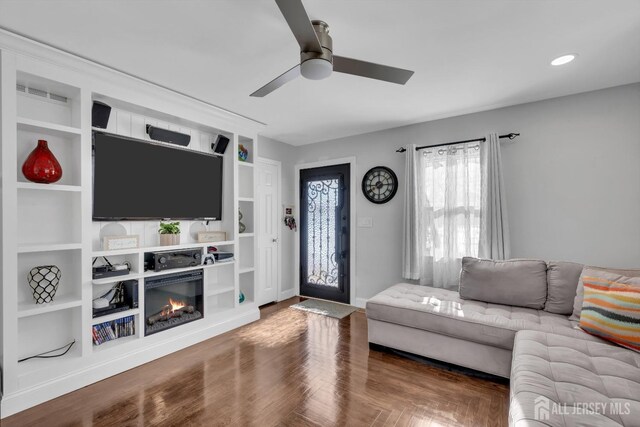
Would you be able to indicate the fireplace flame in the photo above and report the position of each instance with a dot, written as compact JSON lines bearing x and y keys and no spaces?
{"x":173,"y":306}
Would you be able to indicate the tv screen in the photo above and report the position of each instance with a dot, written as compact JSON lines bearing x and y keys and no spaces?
{"x":140,"y":180}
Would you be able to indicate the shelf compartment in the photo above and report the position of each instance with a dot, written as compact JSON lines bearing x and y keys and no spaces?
{"x":64,"y":146}
{"x":247,"y":208}
{"x":247,"y":286}
{"x":41,"y":100}
{"x":37,"y":334}
{"x":245,"y":183}
{"x":248,"y":144}
{"x":245,"y":235}
{"x":69,"y":292}
{"x":26,"y":309}
{"x":246,"y":254}
{"x":48,"y":217}
{"x":220,"y":303}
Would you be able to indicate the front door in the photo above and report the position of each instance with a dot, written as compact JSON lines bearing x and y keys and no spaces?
{"x":324,"y":233}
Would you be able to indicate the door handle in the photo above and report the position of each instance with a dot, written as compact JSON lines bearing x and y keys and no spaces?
{"x":275,"y":240}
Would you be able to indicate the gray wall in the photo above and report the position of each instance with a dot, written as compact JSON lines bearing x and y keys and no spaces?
{"x":572,"y":180}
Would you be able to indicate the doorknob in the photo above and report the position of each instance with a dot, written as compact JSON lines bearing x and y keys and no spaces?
{"x":275,"y":240}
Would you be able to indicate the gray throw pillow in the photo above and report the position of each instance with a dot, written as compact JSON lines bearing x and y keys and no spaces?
{"x":577,"y":302}
{"x":562,"y":282}
{"x":521,"y":283}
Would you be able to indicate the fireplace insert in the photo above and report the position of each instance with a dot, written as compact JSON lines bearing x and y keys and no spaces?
{"x":172,"y":300}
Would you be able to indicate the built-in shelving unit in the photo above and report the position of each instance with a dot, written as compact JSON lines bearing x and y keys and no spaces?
{"x":51,"y":224}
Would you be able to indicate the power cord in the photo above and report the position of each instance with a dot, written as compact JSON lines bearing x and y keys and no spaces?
{"x":43,"y":355}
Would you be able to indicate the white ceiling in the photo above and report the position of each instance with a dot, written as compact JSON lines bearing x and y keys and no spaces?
{"x":468,"y":55}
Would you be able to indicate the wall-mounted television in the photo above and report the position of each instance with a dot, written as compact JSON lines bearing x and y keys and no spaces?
{"x":141,"y":180}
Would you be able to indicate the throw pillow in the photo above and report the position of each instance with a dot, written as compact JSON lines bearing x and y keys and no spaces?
{"x":577,"y":302}
{"x":611,"y":307}
{"x":517,"y":282}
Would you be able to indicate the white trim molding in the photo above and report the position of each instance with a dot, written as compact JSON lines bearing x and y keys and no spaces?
{"x":351,"y":161}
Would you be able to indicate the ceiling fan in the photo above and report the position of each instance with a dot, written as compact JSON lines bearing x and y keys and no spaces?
{"x":317,"y":60}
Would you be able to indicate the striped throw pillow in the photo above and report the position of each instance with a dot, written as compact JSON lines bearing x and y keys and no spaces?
{"x":611,"y":307}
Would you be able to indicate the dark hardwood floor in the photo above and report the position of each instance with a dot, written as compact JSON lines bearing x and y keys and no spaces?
{"x":290,"y":368}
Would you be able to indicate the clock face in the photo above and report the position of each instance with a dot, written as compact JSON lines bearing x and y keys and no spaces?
{"x":379,"y":184}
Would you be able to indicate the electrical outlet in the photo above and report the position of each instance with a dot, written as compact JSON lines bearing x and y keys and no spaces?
{"x":365,"y":222}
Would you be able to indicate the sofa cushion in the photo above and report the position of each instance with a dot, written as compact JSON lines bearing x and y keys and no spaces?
{"x":520,"y":283}
{"x":611,"y":307}
{"x":577,"y":302}
{"x":560,"y":376}
{"x":443,"y":311}
{"x":562,"y":283}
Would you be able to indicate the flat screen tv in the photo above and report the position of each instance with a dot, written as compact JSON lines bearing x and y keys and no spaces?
{"x":140,"y":180}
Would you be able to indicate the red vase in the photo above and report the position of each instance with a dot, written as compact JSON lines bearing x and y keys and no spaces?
{"x":42,"y":166}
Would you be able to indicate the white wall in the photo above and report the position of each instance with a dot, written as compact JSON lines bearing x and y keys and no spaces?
{"x":572,"y":180}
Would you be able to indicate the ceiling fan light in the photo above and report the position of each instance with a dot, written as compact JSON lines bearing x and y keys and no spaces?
{"x":316,"y":69}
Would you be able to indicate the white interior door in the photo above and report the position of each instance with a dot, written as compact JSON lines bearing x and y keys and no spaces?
{"x":269,"y":230}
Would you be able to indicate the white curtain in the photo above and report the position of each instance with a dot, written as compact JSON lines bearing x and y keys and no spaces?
{"x":454,"y":207}
{"x":494,"y":227}
{"x":411,"y":249}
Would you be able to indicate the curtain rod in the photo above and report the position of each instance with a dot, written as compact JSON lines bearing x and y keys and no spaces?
{"x":508,"y":135}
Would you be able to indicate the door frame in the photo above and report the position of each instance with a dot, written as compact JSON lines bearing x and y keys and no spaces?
{"x":351,"y":161}
{"x":259,"y":235}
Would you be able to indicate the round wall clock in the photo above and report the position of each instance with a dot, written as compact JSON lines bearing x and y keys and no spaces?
{"x":379,"y":184}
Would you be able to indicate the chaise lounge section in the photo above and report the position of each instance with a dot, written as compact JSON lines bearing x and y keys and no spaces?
{"x":548,"y":359}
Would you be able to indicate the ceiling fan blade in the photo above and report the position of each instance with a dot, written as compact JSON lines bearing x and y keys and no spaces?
{"x":274,"y":84}
{"x":371,"y":70}
{"x":298,"y":20}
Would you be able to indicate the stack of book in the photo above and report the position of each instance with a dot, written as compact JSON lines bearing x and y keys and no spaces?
{"x":109,"y":331}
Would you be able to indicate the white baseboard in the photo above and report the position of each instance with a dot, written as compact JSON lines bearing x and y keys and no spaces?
{"x":361,"y":302}
{"x":289,"y":293}
{"x":33,"y":396}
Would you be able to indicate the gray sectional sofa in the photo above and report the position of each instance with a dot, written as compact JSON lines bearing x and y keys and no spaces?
{"x":556,"y":370}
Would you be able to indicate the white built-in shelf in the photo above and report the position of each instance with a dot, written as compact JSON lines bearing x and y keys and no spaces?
{"x":117,"y":342}
{"x":181,"y":270}
{"x":246,"y":164}
{"x":114,"y":279}
{"x":245,"y":234}
{"x":186,"y":246}
{"x":28,"y":248}
{"x":26,"y":309}
{"x":245,"y":199}
{"x":246,"y":270}
{"x":159,"y":248}
{"x":48,"y":187}
{"x":114,"y":316}
{"x":46,"y":127}
{"x":218,"y":291}
{"x":131,"y":251}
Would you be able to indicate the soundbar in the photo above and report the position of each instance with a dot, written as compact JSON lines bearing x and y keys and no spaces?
{"x":169,"y":136}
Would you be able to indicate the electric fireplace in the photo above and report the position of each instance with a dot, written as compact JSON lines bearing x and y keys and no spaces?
{"x":172,"y":300}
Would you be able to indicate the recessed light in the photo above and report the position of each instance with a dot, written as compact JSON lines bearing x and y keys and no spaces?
{"x":564,"y":59}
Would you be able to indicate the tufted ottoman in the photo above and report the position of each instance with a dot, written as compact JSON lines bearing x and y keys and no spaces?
{"x":561,"y":381}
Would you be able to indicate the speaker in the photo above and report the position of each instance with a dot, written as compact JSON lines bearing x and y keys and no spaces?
{"x":100,"y":115}
{"x":170,"y":136}
{"x":220,"y":145}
